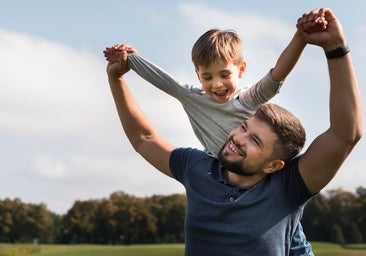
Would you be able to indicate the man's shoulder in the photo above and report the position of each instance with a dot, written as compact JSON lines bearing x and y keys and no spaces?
{"x":191,"y":153}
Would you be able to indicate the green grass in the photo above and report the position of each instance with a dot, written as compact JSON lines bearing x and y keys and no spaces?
{"x":320,"y":249}
{"x":329,"y":249}
{"x":105,"y":250}
{"x":18,"y":250}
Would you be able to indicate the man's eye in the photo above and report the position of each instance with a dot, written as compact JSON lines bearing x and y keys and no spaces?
{"x":256,"y":141}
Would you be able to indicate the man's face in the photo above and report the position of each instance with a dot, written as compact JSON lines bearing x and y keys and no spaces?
{"x":249,"y":148}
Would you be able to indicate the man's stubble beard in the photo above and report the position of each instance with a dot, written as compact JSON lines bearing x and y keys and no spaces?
{"x":238,"y":167}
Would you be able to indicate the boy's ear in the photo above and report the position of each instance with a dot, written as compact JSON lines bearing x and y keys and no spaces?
{"x":274,"y":166}
{"x":198,"y":76}
{"x":242,"y":69}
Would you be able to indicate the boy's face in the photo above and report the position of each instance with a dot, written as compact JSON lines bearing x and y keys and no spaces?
{"x":220,"y":80}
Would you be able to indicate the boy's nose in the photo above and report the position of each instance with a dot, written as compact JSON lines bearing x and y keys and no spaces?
{"x":217,"y":83}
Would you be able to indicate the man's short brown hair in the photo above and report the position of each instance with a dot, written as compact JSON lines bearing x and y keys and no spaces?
{"x":290,"y":132}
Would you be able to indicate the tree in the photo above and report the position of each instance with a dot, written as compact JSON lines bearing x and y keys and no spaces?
{"x":171,"y":211}
{"x":336,"y":235}
{"x":21,"y":222}
{"x":135,"y":222}
{"x":79,"y":222}
{"x":339,"y":211}
{"x":6,"y":220}
{"x":314,"y":221}
{"x":106,"y":225}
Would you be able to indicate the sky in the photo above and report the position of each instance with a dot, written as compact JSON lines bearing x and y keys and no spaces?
{"x":60,"y":136}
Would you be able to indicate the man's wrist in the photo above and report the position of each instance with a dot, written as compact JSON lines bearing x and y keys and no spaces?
{"x":337,"y":52}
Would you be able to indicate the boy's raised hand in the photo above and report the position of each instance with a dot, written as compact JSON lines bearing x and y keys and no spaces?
{"x":118,"y":52}
{"x":117,"y":59}
{"x":330,"y":38}
{"x":313,"y":22}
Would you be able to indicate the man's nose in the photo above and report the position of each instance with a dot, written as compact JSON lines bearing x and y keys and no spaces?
{"x":241,"y":139}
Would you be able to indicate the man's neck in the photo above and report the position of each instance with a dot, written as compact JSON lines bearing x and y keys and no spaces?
{"x":244,"y":181}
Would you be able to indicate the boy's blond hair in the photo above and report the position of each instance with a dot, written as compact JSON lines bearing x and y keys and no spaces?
{"x":217,"y":45}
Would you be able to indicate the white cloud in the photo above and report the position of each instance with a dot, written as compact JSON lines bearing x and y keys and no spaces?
{"x":47,"y":87}
{"x":49,"y":167}
{"x":252,"y":26}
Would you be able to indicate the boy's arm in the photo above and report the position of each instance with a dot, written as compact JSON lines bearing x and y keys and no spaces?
{"x":327,"y":152}
{"x":269,"y":86}
{"x":291,"y":54}
{"x":288,"y":58}
{"x":147,"y":70}
{"x":157,"y":76}
{"x":140,"y":132}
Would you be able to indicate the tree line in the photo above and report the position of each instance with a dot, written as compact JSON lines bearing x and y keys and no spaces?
{"x":335,"y":216}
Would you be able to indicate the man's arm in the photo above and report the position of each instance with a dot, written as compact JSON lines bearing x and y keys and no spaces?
{"x":140,"y":132}
{"x":328,"y":151}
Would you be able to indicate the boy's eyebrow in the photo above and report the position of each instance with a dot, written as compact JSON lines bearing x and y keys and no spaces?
{"x":206,"y":73}
{"x":221,"y":71}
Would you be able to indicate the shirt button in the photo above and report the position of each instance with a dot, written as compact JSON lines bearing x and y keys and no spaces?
{"x":231,"y":199}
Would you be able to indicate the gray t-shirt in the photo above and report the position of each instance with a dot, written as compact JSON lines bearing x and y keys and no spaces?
{"x":211,"y":121}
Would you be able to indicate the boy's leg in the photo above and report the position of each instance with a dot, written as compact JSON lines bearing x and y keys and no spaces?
{"x":299,"y":245}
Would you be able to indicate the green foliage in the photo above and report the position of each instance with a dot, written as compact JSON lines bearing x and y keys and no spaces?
{"x":21,"y":222}
{"x":338,"y":216}
{"x":336,"y":235}
{"x":126,"y":219}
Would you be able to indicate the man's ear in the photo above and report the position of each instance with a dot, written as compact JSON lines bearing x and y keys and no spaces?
{"x":242,"y":69}
{"x":274,"y":166}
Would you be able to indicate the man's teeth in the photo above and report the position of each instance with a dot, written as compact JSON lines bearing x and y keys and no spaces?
{"x":233,"y":148}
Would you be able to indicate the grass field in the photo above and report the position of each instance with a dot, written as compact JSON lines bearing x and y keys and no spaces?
{"x":320,"y":249}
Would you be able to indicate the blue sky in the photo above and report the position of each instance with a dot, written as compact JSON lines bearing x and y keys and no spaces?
{"x":60,"y":137}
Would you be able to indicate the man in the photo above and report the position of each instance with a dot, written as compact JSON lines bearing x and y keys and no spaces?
{"x":250,"y":200}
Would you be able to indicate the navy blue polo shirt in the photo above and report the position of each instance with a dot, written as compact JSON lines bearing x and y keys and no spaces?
{"x":222,"y":219}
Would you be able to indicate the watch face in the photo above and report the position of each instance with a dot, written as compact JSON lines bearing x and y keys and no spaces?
{"x":338,"y":52}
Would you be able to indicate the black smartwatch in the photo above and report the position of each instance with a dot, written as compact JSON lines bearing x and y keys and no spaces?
{"x":338,"y":52}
